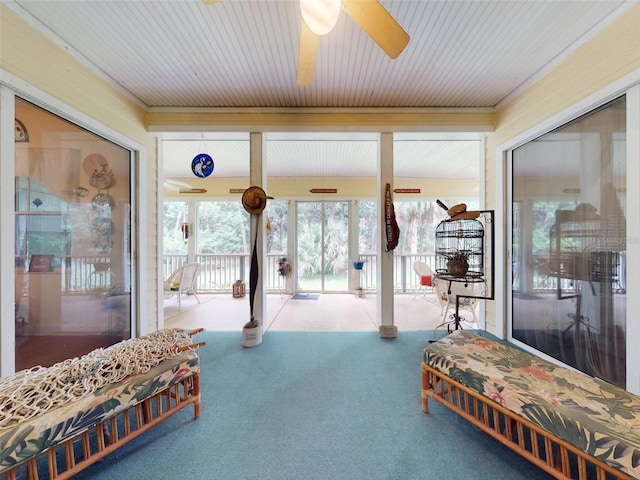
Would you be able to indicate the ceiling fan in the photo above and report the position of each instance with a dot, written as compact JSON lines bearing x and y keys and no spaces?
{"x":320,"y":16}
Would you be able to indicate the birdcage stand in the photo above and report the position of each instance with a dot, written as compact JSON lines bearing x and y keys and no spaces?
{"x":454,"y":236}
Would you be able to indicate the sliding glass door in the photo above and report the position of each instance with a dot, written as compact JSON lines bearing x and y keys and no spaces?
{"x":73,"y":238}
{"x":569,"y":215}
{"x":323,"y":246}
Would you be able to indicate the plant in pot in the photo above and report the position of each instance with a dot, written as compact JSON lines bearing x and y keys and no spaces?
{"x":458,"y":263}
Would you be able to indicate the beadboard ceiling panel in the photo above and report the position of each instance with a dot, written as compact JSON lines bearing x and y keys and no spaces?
{"x":243,"y":54}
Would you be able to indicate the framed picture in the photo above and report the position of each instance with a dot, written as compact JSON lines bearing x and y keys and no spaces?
{"x":40,"y":263}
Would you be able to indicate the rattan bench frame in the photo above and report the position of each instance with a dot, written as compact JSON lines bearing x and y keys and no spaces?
{"x":111,"y":433}
{"x":542,"y":448}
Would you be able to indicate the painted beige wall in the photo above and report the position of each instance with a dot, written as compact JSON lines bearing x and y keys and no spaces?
{"x":34,"y":59}
{"x":601,"y":61}
{"x":347,"y":188}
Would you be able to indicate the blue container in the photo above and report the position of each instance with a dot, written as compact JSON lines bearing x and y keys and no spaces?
{"x":358,"y":265}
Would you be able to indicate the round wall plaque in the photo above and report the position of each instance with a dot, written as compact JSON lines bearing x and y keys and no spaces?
{"x":202,"y":165}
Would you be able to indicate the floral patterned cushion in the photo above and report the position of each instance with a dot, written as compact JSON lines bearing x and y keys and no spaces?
{"x":23,"y":441}
{"x":593,"y":415}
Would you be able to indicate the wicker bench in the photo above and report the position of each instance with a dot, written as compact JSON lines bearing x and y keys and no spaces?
{"x":56,"y":421}
{"x":569,"y":424}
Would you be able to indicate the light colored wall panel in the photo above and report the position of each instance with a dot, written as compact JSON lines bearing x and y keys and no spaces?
{"x":430,"y":189}
{"x":606,"y":58}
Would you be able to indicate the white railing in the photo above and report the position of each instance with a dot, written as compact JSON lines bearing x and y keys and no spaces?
{"x":92,"y":274}
{"x":80,"y":274}
{"x":221,"y":271}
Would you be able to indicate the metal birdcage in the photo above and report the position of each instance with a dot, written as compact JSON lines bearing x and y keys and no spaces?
{"x":581,"y":249}
{"x":460,"y":249}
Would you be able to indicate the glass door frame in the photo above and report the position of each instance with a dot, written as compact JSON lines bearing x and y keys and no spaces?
{"x":503,"y":152}
{"x":10,"y":89}
{"x":323,"y":204}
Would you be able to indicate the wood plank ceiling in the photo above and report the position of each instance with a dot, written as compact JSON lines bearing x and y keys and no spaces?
{"x":243,"y":54}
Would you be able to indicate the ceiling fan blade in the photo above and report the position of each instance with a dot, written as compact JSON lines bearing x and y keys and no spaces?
{"x":306,"y":55}
{"x":374,"y":19}
{"x":209,"y":2}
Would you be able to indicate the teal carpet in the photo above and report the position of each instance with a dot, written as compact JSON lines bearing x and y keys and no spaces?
{"x":307,"y":406}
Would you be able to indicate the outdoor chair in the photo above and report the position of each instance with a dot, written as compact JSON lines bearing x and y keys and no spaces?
{"x":183,"y":282}
{"x":447,"y":291}
{"x":425,"y":276}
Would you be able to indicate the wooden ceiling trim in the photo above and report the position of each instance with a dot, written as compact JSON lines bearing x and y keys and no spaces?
{"x":170,"y":121}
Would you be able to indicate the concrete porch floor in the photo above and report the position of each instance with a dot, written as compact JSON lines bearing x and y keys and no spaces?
{"x":330,"y":312}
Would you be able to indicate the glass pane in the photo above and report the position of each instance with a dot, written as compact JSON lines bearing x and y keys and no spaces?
{"x":336,"y":247}
{"x":367,"y":244}
{"x":569,"y":243}
{"x":323,"y":246}
{"x":72,"y":240}
{"x":174,"y":215}
{"x":278,"y":262}
{"x":223,"y":244}
{"x":276,"y":213}
{"x":309,"y":224}
{"x":175,"y":236}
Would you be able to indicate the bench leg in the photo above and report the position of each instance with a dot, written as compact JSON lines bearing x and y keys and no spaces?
{"x":425,"y":386}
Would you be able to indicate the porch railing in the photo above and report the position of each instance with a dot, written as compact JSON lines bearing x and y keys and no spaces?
{"x":221,"y":271}
{"x":90,"y":274}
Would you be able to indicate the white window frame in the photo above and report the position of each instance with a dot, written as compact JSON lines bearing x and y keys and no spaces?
{"x":628,"y":85}
{"x":10,"y":88}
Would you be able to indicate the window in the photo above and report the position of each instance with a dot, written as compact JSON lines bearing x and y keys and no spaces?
{"x":72,"y":240}
{"x":569,"y":243}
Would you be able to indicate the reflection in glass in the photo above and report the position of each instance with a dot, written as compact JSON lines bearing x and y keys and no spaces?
{"x":569,"y":243}
{"x":73,"y":207}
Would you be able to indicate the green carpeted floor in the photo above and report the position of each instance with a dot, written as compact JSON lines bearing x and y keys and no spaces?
{"x":314,"y":406}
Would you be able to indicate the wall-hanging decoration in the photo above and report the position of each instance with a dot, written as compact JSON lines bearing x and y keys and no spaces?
{"x":102,"y":227}
{"x":323,"y":190}
{"x":80,"y":191}
{"x":202,"y":165}
{"x":284,"y":267}
{"x":40,"y":263}
{"x":21,"y":134}
{"x":95,"y":163}
{"x":185,"y":231}
{"x":406,"y":190}
{"x":391,"y":225}
{"x":101,"y":178}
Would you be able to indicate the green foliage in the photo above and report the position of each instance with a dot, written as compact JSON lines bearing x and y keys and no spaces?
{"x":276,"y":212}
{"x":173,"y":214}
{"x":224,"y":228}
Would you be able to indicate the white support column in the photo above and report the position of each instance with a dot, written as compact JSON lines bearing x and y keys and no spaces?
{"x":354,"y":276}
{"x":384,"y":271}
{"x":292,"y":247}
{"x":257,"y":178}
{"x":192,"y":218}
{"x":7,"y":233}
{"x":633,"y":238}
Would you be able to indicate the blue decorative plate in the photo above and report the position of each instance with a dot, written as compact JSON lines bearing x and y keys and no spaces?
{"x":202,"y":165}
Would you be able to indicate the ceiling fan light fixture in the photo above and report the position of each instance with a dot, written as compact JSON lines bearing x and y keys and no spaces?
{"x":320,"y":15}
